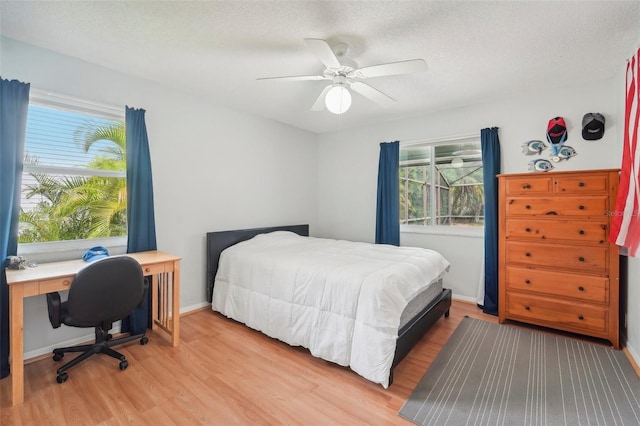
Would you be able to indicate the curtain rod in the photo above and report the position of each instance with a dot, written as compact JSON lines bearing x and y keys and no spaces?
{"x":442,"y":139}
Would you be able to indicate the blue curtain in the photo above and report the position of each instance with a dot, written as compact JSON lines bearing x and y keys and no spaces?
{"x":388,"y":206}
{"x":14,"y":104}
{"x":140,"y":217}
{"x":491,"y":165}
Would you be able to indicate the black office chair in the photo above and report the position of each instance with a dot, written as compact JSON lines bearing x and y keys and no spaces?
{"x":100,"y":294}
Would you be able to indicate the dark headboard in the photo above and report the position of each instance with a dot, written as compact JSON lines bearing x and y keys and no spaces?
{"x":218,"y":241}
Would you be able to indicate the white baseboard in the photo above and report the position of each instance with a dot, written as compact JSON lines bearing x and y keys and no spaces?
{"x":72,"y":342}
{"x":187,"y":309}
{"x":465,"y":298}
{"x":89,"y":337}
{"x":634,"y":354}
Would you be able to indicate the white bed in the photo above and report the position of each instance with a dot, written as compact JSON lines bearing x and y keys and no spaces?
{"x":342,"y":300}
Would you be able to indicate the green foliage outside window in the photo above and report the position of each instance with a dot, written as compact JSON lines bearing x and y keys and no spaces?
{"x":414,"y":195}
{"x":464,"y":203}
{"x":457,"y":185}
{"x":72,"y":207}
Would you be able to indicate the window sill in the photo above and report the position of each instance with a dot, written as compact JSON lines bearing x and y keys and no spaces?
{"x":68,"y":250}
{"x":443,"y":230}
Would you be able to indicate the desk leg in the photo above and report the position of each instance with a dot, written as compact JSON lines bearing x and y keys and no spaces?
{"x":154,"y":300}
{"x":16,"y":332}
{"x":176,"y":304}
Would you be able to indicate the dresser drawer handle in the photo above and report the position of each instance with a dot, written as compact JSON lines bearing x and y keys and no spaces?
{"x":526,"y":186}
{"x":552,"y":213}
{"x":527,"y":230}
{"x":581,"y":232}
{"x":66,"y":283}
{"x":581,"y":184}
{"x":527,"y":308}
{"x":528,"y":207}
{"x":580,"y":207}
{"x":581,"y":259}
{"x":580,"y":317}
{"x":527,"y":254}
{"x":581,"y":288}
{"x":527,"y":281}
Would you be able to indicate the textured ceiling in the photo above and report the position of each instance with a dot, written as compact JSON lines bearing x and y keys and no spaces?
{"x":475,"y":51}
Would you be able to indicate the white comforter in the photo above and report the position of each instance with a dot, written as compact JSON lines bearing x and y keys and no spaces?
{"x":342,"y":300}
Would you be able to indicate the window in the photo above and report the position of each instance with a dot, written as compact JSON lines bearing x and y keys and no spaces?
{"x":74,"y":178}
{"x":441,"y":184}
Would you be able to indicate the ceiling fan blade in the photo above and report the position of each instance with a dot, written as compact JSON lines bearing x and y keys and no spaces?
{"x":296,"y":78}
{"x":323,"y":51}
{"x":392,"y":68}
{"x":373,"y":94}
{"x":318,"y":105}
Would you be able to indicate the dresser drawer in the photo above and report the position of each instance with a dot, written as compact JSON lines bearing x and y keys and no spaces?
{"x":558,"y":314}
{"x":591,"y":232}
{"x":529,"y":185}
{"x":581,"y":184}
{"x":581,"y":287}
{"x":563,"y":256}
{"x":592,"y":206}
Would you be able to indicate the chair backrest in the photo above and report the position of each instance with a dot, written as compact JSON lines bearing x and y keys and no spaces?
{"x":105,"y":291}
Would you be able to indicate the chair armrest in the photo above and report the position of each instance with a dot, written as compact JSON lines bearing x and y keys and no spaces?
{"x":53,"y":306}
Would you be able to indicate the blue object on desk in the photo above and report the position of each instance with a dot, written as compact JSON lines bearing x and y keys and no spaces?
{"x":95,"y":253}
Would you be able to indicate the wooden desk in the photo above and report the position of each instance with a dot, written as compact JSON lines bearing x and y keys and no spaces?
{"x":57,"y":276}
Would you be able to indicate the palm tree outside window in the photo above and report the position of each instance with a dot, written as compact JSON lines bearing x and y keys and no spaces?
{"x":74,"y":179}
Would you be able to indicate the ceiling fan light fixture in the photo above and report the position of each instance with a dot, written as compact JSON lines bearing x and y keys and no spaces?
{"x":344,"y":74}
{"x":338,"y":99}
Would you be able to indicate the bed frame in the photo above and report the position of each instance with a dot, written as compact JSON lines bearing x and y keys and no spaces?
{"x":408,"y":335}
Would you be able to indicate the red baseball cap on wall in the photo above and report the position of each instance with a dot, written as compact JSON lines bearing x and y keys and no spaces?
{"x":556,"y":130}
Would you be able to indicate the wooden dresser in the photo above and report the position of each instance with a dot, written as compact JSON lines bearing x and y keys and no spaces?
{"x":557,"y":267}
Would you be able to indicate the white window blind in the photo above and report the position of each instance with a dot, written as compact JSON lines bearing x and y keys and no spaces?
{"x":74,"y":178}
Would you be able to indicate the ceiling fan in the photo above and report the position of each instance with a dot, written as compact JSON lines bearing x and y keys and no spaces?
{"x":344,"y":74}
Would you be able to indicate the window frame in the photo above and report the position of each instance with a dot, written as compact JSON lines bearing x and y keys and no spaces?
{"x":46,"y":99}
{"x":448,"y":230}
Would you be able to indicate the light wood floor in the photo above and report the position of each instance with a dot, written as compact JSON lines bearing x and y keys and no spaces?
{"x":221,"y":373}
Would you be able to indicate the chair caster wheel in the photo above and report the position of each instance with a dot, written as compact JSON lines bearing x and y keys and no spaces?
{"x":57,"y":357}
{"x":124,"y":364}
{"x":62,"y":377}
{"x":144,"y":340}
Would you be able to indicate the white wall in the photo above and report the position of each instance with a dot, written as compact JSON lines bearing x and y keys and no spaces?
{"x":218,"y":169}
{"x":348,"y":164}
{"x":348,"y":161}
{"x":213,"y":168}
{"x":633,"y":309}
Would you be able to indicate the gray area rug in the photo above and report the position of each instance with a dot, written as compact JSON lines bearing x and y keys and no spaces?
{"x":492,"y":374}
